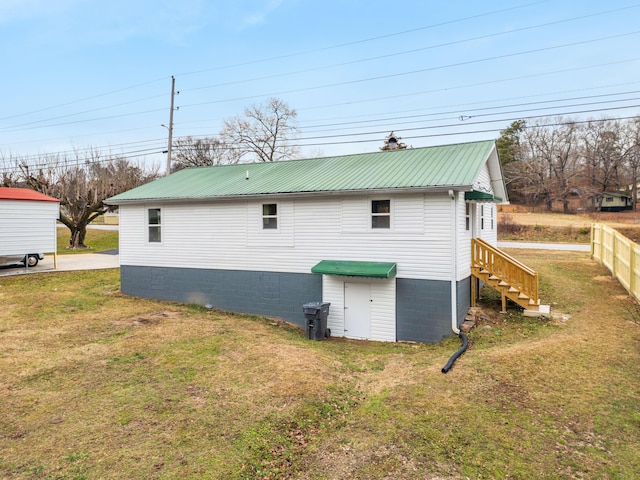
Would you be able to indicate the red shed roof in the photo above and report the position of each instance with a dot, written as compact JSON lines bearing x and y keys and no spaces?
{"x":7,"y":193}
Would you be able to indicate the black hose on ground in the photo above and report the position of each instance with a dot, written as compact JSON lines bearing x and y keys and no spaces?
{"x":454,"y":357}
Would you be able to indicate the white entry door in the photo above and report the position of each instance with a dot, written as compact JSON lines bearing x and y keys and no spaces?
{"x":357,"y":310}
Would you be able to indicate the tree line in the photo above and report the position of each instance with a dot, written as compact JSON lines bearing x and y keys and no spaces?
{"x":561,"y":161}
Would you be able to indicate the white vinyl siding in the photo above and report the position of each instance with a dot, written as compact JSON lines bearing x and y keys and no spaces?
{"x":483,"y":182}
{"x":489,"y":213}
{"x":333,"y":292}
{"x":28,"y":226}
{"x":271,"y":237}
{"x":229,"y":235}
{"x":464,"y":237}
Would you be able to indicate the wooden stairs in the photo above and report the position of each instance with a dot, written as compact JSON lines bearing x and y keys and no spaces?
{"x":514,"y":280}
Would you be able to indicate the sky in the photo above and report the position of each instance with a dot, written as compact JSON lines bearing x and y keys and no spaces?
{"x":83,"y":75}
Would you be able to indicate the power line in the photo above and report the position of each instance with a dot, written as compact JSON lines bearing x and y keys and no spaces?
{"x":502,"y":80}
{"x":83,"y":99}
{"x":495,"y":107}
{"x":413,"y":72}
{"x":145,"y":152}
{"x":352,"y":125}
{"x":16,"y":127}
{"x":406,"y":52}
{"x":10,"y":129}
{"x":366,"y":40}
{"x":324,"y":67}
{"x":270,"y":59}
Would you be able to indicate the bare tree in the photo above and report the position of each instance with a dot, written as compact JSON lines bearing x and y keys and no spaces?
{"x":202,"y":152}
{"x":561,"y":155}
{"x":555,"y":159}
{"x":603,"y":155}
{"x":631,"y":140}
{"x":264,"y":134}
{"x":82,"y":183}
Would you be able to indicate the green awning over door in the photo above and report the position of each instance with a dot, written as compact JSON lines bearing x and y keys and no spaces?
{"x":355,"y":268}
{"x":477,"y":196}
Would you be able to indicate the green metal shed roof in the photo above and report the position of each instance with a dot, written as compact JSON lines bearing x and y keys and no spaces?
{"x":429,"y":168}
{"x":351,"y":268}
{"x":481,"y":196}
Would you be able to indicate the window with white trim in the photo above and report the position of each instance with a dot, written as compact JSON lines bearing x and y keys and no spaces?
{"x":481,"y":217}
{"x":269,"y":216}
{"x":381,"y":214}
{"x":154,"y":224}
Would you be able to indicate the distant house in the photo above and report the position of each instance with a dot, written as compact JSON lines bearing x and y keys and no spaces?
{"x":27,"y":222}
{"x":384,"y":237}
{"x":612,"y":202}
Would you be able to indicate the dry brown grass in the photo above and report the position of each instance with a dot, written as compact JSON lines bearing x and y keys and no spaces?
{"x":561,"y":228}
{"x":626,"y":219}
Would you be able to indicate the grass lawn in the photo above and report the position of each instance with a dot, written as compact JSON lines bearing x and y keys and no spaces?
{"x":96,"y":385}
{"x":96,"y":241}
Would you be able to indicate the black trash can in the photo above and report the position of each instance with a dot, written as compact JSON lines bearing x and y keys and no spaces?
{"x":316,"y":314}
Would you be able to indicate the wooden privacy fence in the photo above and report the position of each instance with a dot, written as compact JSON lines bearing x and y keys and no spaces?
{"x":619,"y":254}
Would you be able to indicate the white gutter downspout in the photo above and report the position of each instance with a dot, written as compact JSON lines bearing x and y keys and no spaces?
{"x":454,"y":262}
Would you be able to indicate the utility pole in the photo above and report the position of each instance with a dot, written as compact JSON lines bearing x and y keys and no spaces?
{"x":173,"y":92}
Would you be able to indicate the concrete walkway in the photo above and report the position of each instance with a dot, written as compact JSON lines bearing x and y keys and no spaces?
{"x":81,"y":261}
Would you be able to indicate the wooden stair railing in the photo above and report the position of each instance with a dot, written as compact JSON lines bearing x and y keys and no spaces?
{"x":505,"y":274}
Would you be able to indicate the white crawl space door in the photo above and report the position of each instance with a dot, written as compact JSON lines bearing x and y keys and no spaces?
{"x":357,"y":310}
{"x":362,"y":308}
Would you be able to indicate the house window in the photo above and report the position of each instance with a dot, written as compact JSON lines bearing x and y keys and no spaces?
{"x":467,"y":216}
{"x":269,"y":216}
{"x":609,"y":199}
{"x":381,"y":214}
{"x":491,"y":215}
{"x":482,"y":217}
{"x":155,"y":225}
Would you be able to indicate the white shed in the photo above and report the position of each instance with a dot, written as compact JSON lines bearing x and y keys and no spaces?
{"x":27,"y":222}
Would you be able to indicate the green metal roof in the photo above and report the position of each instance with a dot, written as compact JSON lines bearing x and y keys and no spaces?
{"x":429,"y":168}
{"x":481,"y":196}
{"x":355,"y":269}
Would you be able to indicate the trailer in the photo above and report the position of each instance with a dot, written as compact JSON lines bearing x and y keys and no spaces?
{"x":27,"y":226}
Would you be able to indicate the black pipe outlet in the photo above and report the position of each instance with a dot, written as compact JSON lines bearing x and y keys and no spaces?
{"x":454,"y":357}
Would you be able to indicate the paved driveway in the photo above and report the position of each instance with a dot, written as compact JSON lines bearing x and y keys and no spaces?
{"x":82,"y":261}
{"x":577,"y":247}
